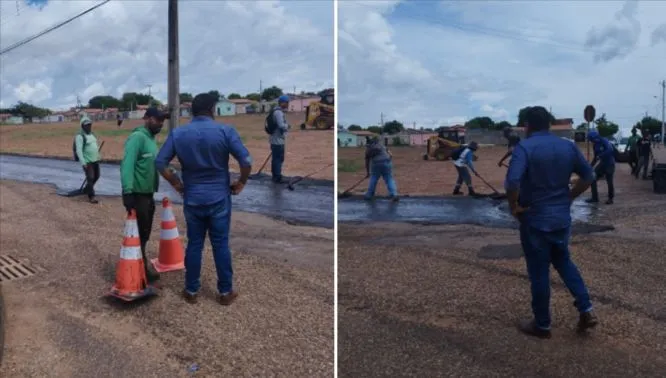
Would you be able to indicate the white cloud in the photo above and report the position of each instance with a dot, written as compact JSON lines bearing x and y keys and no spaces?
{"x":122,"y":46}
{"x":424,"y":62}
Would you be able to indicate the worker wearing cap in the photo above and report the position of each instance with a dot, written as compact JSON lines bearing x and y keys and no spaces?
{"x":604,"y":155}
{"x":87,"y":153}
{"x":278,"y":137}
{"x":139,"y":177}
{"x":464,"y":164}
{"x":537,"y":187}
{"x":378,"y":164}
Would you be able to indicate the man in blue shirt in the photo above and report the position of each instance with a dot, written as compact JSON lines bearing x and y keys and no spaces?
{"x":605,"y":156}
{"x":203,"y":148}
{"x":537,"y":186}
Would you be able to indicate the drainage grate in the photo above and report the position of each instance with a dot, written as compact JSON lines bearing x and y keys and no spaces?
{"x":12,"y":269}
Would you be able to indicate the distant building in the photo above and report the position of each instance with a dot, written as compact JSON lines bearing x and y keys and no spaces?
{"x":225,"y":107}
{"x":298,"y":103}
{"x":244,"y":105}
{"x":353,"y":138}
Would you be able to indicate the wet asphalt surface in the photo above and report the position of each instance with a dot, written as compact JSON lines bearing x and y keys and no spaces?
{"x":311,"y":203}
{"x":484,"y":212}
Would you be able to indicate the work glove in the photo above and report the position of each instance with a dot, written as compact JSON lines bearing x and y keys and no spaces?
{"x":129,"y":202}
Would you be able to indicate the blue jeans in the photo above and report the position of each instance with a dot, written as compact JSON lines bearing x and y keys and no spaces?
{"x":215,"y":220}
{"x":384,"y":170}
{"x":542,"y":249}
{"x":276,"y":161}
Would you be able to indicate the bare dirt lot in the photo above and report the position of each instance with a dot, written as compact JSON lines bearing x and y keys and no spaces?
{"x":416,"y":176}
{"x":307,"y":150}
{"x":428,"y":301}
{"x":58,"y":324}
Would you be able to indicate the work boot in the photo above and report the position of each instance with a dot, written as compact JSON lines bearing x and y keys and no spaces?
{"x":587,"y":321}
{"x":471,"y":192}
{"x":93,"y":200}
{"x":228,"y":298}
{"x":151,"y":276}
{"x":592,"y":200}
{"x":530,"y":328}
{"x":190,"y":297}
{"x":395,"y":198}
{"x":456,"y":191}
{"x":609,"y":201}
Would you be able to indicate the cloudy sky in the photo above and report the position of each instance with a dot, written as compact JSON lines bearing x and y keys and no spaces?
{"x":122,"y":47}
{"x":440,"y":63}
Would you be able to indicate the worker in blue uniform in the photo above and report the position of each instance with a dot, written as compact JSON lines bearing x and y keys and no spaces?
{"x":537,"y":186}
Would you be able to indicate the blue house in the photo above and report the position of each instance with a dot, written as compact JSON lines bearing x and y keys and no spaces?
{"x":353,"y":138}
{"x":225,"y":107}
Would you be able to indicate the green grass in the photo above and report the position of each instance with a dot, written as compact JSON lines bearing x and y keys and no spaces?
{"x":349,"y":166}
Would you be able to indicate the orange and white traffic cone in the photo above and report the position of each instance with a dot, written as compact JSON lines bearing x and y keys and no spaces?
{"x":172,"y":254}
{"x":131,"y":282}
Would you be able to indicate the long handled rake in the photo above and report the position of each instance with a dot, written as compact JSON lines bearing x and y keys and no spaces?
{"x":347,"y":192}
{"x":262,"y":166}
{"x":290,"y":186}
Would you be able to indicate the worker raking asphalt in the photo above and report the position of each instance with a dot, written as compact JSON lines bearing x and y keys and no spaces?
{"x":310,"y":204}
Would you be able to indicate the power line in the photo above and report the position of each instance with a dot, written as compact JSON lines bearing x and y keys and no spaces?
{"x":57,"y":26}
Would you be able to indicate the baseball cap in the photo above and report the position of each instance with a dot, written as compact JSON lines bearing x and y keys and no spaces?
{"x":155,"y":112}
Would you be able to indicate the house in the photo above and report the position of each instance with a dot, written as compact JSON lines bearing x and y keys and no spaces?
{"x":11,"y":119}
{"x":58,"y":117}
{"x":4,"y":117}
{"x":244,"y":105}
{"x":225,"y":107}
{"x":420,"y":138}
{"x":185,"y":109}
{"x":266,"y":106}
{"x":353,"y":138}
{"x":298,"y":103}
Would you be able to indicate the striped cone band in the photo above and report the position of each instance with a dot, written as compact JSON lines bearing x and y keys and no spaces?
{"x":169,"y":233}
{"x":130,"y":252}
{"x":131,"y":234}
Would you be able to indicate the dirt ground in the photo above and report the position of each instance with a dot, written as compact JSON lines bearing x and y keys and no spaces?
{"x":415,"y":176}
{"x":59,"y":325}
{"x":307,"y":150}
{"x":427,"y":301}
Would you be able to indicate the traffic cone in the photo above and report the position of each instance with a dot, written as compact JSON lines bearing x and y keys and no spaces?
{"x":171,"y":255}
{"x":131,"y":283}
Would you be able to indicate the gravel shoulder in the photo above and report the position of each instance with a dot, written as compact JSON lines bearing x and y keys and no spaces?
{"x":58,"y":324}
{"x":428,"y":301}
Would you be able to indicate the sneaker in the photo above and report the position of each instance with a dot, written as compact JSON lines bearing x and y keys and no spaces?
{"x":587,"y":320}
{"x":592,"y":200}
{"x":530,"y":328}
{"x":228,"y":298}
{"x":152,"y":276}
{"x":395,"y":198}
{"x":93,"y":200}
{"x":457,"y":192}
{"x":190,"y":297}
{"x":609,"y":202}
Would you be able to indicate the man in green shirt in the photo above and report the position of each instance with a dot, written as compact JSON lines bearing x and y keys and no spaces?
{"x":139,"y":177}
{"x":86,"y":152}
{"x":632,"y":151}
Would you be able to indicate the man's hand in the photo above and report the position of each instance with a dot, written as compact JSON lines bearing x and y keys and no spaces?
{"x":128,"y":202}
{"x":178,"y":185}
{"x":499,"y":164}
{"x":237,"y":187}
{"x":367,"y":174}
{"x":517,"y":210}
{"x":476,"y":174}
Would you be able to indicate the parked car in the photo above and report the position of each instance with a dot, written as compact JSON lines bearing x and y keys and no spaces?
{"x":621,"y":155}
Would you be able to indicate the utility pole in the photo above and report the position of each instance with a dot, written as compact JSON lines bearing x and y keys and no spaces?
{"x":663,"y":111}
{"x":150,"y":97}
{"x":381,"y":124}
{"x":174,"y":72}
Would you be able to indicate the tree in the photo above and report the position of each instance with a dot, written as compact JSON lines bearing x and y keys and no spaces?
{"x":605,"y":127}
{"x":502,"y":125}
{"x":253,"y":96}
{"x":271,"y":93}
{"x":522,"y":114}
{"x":582,"y":127}
{"x":354,"y":128}
{"x":234,"y":96}
{"x":185,"y":97}
{"x":652,"y":125}
{"x":392,"y":127}
{"x":374,"y":129}
{"x":103,"y":102}
{"x":322,"y":93}
{"x":216,"y":93}
{"x":130,"y":100}
{"x":28,"y":110}
{"x":484,"y":123}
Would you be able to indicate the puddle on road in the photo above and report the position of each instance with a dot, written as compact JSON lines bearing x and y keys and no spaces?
{"x":311,"y":203}
{"x":444,"y":210}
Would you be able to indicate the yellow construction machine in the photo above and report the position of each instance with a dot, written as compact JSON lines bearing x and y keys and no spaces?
{"x":319,"y":115}
{"x":441,"y":146}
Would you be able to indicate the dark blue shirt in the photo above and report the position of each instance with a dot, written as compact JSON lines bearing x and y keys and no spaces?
{"x":603,"y":151}
{"x":540,"y":169}
{"x":203,"y":147}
